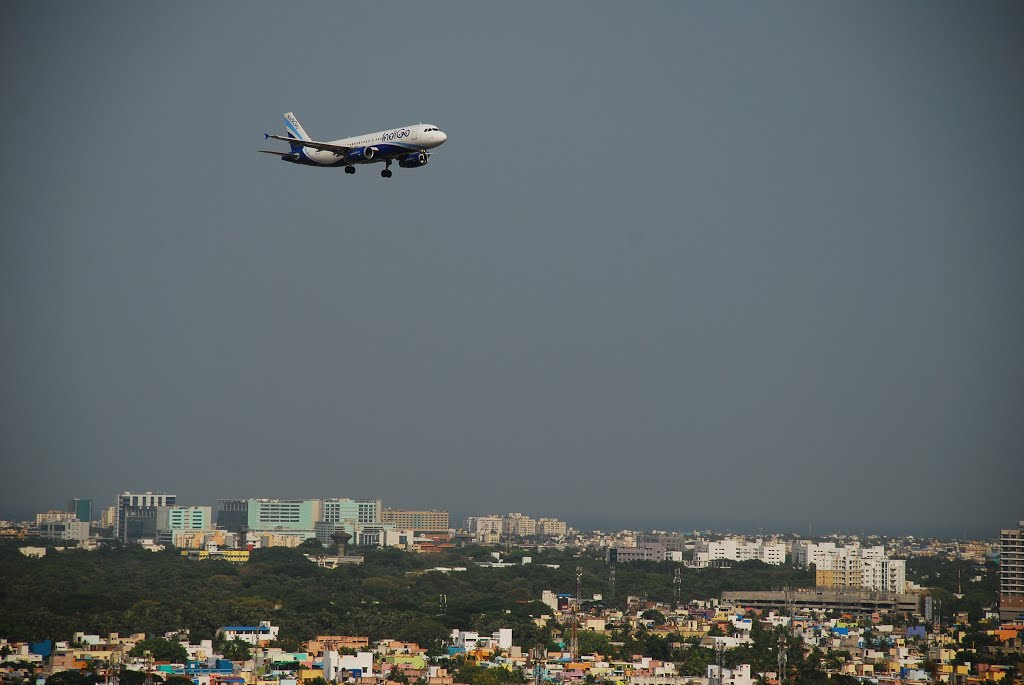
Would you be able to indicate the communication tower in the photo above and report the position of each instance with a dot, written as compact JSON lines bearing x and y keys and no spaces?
{"x":782,"y":657}
{"x":574,"y":629}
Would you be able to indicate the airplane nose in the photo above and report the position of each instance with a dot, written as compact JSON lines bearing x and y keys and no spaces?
{"x":442,"y":136}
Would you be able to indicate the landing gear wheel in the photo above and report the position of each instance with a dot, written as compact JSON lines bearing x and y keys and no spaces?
{"x":386,"y":173}
{"x":350,"y":170}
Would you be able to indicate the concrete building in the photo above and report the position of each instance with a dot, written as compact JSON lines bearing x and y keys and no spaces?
{"x":671,"y":543}
{"x":173,"y":520}
{"x":708,"y":552}
{"x":551,"y":528}
{"x":71,"y":530}
{"x":336,"y":666}
{"x":649,"y":551}
{"x":1011,"y":572}
{"x":143,"y":508}
{"x":432,"y":521}
{"x":283,"y":514}
{"x":257,"y":636}
{"x":108,"y":517}
{"x":852,"y":566}
{"x":54,"y":516}
{"x":355,"y":510}
{"x":856,"y":601}
{"x":885,"y":575}
{"x":185,"y":518}
{"x":730,"y":676}
{"x":481,"y":525}
{"x":469,"y":640}
{"x":519,"y":525}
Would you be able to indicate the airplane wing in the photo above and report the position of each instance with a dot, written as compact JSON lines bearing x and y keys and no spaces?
{"x":330,"y":147}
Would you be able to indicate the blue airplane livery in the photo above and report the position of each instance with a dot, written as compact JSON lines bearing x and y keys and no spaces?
{"x":407,"y":145}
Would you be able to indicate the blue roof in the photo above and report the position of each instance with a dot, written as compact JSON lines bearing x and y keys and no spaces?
{"x":259,"y":629}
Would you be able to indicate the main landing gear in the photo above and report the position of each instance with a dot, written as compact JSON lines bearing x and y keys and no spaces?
{"x":350,"y":170}
{"x":387,"y":169}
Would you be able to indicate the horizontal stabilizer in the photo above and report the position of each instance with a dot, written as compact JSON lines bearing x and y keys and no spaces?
{"x":292,"y":156}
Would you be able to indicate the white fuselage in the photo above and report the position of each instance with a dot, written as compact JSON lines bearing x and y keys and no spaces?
{"x":387,"y":145}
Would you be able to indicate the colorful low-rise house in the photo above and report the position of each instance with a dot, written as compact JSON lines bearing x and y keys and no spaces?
{"x":257,"y":636}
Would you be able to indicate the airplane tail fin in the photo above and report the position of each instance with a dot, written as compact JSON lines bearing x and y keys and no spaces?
{"x":294,"y":129}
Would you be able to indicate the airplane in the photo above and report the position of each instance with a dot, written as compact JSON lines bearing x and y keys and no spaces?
{"x":408,"y":145}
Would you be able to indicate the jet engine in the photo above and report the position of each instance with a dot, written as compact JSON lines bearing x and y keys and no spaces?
{"x":360,"y":154}
{"x":412,"y":161}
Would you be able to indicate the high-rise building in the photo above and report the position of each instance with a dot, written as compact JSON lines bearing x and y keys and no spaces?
{"x":1011,"y":572}
{"x":420,"y":521}
{"x":108,"y":517}
{"x":81,"y":508}
{"x":143,"y":509}
{"x":519,"y":525}
{"x":233,"y":514}
{"x":552,"y":528}
{"x":852,"y":566}
{"x":283,"y":514}
{"x":355,"y":510}
{"x":184,"y":518}
{"x":484,"y":524}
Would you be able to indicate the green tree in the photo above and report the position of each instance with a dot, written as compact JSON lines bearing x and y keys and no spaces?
{"x":67,"y":678}
{"x":236,"y":650}
{"x":178,"y":680}
{"x":160,"y":650}
{"x":654,"y":615}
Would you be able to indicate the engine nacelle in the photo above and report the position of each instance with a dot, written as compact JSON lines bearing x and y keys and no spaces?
{"x":360,"y":154}
{"x":412,"y":161}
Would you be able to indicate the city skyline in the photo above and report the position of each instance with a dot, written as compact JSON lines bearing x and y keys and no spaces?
{"x":810,"y":528}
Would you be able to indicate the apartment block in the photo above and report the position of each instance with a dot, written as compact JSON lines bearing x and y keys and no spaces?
{"x":707,"y":552}
{"x":481,"y":525}
{"x":552,"y":528}
{"x":519,"y":525}
{"x":1011,"y":572}
{"x":432,"y":521}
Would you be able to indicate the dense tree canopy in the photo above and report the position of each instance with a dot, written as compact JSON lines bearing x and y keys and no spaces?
{"x":128,"y":589}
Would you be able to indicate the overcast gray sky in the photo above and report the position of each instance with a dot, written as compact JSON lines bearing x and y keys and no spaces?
{"x":731,"y":265}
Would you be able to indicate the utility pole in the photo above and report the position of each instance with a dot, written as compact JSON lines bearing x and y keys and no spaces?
{"x":611,"y":579}
{"x":781,"y":658}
